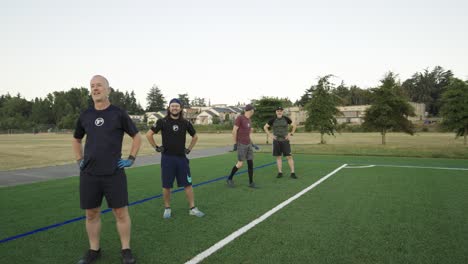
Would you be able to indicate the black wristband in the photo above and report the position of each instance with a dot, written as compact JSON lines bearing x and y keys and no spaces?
{"x":130,"y":157}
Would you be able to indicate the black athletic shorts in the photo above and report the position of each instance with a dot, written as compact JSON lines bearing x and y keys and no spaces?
{"x":113,"y":187}
{"x":281,"y":148}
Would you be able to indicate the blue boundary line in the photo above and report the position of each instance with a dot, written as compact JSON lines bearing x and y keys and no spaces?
{"x":76,"y":219}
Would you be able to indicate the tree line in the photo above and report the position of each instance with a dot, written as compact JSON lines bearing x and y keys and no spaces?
{"x":61,"y":109}
{"x":389,"y":104}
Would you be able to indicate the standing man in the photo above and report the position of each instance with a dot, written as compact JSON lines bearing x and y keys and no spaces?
{"x":280,"y":126}
{"x":243,"y":144}
{"x":102,"y":169}
{"x":174,"y":162}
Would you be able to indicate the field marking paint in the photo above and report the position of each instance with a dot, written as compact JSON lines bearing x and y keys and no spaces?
{"x":359,"y":167}
{"x":105,"y":211}
{"x":407,"y":166}
{"x":250,"y":225}
{"x":424,"y":167}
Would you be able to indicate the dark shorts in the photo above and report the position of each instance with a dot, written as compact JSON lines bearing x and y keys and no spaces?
{"x":175,"y":167}
{"x":281,"y":148}
{"x":113,"y":187}
{"x":244,"y":152}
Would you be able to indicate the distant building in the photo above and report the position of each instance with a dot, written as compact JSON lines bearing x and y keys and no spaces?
{"x":222,"y":113}
{"x":354,"y":114}
{"x":152,"y":117}
{"x":296,"y":114}
{"x":137,"y":118}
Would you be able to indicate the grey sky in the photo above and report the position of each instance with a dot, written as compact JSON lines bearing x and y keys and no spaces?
{"x":227,"y":51}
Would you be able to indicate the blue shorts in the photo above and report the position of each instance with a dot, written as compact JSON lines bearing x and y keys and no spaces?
{"x":175,"y":167}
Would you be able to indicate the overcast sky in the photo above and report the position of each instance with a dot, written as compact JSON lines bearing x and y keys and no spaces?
{"x":225,"y":51}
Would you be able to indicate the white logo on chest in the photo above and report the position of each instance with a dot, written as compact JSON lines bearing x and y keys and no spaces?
{"x":99,"y":121}
{"x":175,"y":128}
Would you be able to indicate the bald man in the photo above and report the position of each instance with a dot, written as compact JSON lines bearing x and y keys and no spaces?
{"x":102,"y":171}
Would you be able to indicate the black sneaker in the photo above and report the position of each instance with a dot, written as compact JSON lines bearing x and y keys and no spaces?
{"x":90,"y":256}
{"x":280,"y":174}
{"x":293,"y":175}
{"x":230,"y":183}
{"x":127,"y":256}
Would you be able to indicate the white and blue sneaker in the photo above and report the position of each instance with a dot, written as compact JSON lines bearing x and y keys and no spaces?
{"x":167,"y":213}
{"x":196,"y":212}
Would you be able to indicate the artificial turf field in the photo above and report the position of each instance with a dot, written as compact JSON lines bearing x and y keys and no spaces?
{"x":404,"y":210}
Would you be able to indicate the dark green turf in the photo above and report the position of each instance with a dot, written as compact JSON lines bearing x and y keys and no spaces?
{"x":374,"y":215}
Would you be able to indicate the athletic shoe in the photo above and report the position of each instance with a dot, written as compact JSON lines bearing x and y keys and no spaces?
{"x":230,"y":183}
{"x":293,"y":175}
{"x":167,"y":213}
{"x":90,"y":256}
{"x":253,"y":185}
{"x":280,"y":174}
{"x":127,"y":256}
{"x":194,"y":211}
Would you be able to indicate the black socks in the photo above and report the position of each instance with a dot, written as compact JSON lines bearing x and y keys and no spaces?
{"x":233,"y":171}
{"x":250,"y":170}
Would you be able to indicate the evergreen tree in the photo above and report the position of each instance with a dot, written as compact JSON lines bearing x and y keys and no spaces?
{"x":155,"y":100}
{"x":321,"y":109}
{"x":455,"y":108}
{"x":390,"y":109}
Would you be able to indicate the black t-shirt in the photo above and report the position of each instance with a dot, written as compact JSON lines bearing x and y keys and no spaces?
{"x":104,"y":131}
{"x":173,"y":132}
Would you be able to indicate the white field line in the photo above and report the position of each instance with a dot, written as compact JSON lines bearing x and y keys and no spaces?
{"x":250,"y":225}
{"x":408,"y":166}
{"x":359,"y":167}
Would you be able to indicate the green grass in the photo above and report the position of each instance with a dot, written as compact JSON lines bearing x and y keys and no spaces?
{"x":372,"y":215}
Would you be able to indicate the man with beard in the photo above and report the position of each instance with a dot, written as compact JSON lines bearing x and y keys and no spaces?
{"x":174,"y":162}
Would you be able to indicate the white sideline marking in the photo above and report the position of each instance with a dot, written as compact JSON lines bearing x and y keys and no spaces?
{"x":250,"y":225}
{"x":359,"y":167}
{"x":423,"y":167}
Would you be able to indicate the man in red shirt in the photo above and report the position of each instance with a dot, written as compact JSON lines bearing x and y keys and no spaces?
{"x":243,"y":144}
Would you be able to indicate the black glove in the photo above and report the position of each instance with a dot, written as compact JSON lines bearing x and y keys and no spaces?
{"x":255,"y":147}
{"x":187,"y":151}
{"x":159,"y":148}
{"x":234,"y":148}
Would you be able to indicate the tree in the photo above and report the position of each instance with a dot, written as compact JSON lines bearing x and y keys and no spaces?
{"x":358,"y":96}
{"x":197,"y":101}
{"x":455,"y":108}
{"x":216,"y":120}
{"x":155,"y":99}
{"x":390,"y":109}
{"x":117,"y":98}
{"x":15,"y":112}
{"x":343,"y":93}
{"x":265,"y":110}
{"x":184,"y":99}
{"x":42,"y":111}
{"x":427,"y":87}
{"x":305,"y":98}
{"x":321,"y":109}
{"x":132,"y":106}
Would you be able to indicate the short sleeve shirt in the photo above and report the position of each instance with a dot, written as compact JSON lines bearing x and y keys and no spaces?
{"x":243,"y":133}
{"x":173,"y":133}
{"x":280,"y":126}
{"x":104,"y":130}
